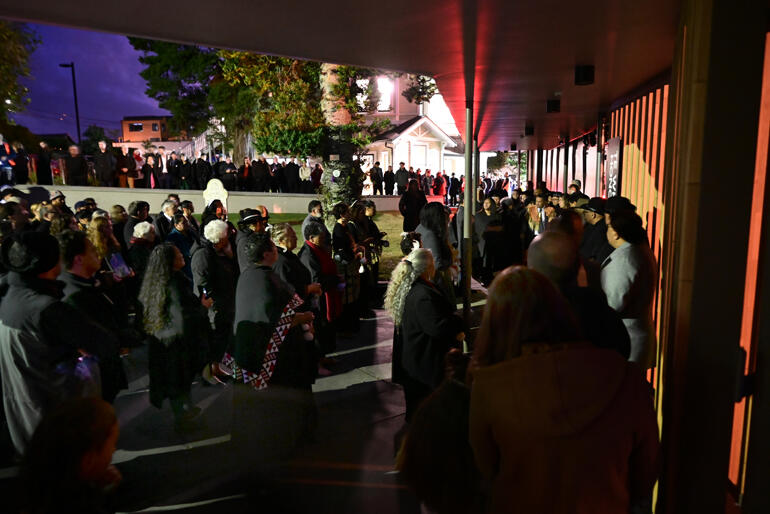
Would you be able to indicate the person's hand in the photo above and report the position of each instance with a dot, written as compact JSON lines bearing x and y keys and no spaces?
{"x":207,"y":302}
{"x":460,"y":337}
{"x":302,"y":318}
{"x":314,"y":289}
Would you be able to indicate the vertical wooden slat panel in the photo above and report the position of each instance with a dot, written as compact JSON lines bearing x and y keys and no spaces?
{"x":652,"y":232}
{"x":627,"y":115}
{"x":644,"y":169}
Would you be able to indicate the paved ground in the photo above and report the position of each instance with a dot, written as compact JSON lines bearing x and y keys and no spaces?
{"x":346,"y":468}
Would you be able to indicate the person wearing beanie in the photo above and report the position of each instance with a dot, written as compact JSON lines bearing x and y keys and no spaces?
{"x":41,"y":338}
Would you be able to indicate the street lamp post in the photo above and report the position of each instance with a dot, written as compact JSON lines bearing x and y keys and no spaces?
{"x":71,"y":65}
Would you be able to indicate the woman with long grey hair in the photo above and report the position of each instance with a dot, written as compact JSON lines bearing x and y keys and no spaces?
{"x":426,"y":326}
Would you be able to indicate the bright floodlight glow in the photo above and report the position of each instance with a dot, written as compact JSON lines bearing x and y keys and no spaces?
{"x":8,"y":101}
{"x":385,"y":87}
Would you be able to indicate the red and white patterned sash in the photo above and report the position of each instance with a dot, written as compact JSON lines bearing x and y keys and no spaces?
{"x":262,"y":379}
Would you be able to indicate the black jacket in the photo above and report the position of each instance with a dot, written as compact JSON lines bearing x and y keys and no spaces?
{"x":600,"y":323}
{"x":163,"y":226}
{"x":216,"y":273}
{"x":103,"y":319}
{"x":260,"y":299}
{"x":410,"y":206}
{"x":595,"y":246}
{"x":402,"y":177}
{"x":390,"y":178}
{"x":290,"y":269}
{"x":202,"y":173}
{"x":77,"y":170}
{"x":291,"y":175}
{"x":429,"y":328}
{"x":104,"y":166}
{"x":174,"y":167}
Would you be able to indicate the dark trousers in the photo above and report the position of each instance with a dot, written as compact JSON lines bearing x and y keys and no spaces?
{"x":401,"y":189}
{"x":166,"y":181}
{"x":378,"y":187}
{"x":414,"y":394}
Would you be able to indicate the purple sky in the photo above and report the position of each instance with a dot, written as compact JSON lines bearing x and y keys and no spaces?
{"x":107,"y":72}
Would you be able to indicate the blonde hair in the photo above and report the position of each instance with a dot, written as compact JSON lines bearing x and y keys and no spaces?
{"x":280,"y":231}
{"x":406,"y":273}
{"x":101,"y":235}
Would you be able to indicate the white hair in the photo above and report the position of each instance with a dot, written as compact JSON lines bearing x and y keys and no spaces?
{"x":141,"y":230}
{"x":166,"y":204}
{"x":215,"y":231}
{"x":407,"y":271}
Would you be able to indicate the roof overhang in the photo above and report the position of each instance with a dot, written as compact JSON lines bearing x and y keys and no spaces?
{"x":509,"y":56}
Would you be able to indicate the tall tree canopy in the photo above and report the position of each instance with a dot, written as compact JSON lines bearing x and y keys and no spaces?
{"x":18,"y":42}
{"x":179,"y":78}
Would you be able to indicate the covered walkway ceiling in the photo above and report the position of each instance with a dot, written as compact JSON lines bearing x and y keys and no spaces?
{"x":515,"y":54}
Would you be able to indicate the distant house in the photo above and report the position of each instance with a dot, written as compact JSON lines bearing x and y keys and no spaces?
{"x":137,"y":129}
{"x":422,"y":136}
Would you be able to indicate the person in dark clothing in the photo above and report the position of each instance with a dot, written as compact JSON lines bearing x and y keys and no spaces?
{"x":555,"y":255}
{"x":44,"y":175}
{"x":140,"y":247}
{"x":454,"y":189}
{"x":316,"y":215}
{"x":427,"y":324}
{"x":164,"y":221}
{"x":176,"y":321}
{"x":261,"y":174}
{"x":279,"y":178}
{"x":82,"y":291}
{"x":273,"y":359}
{"x":288,"y":266}
{"x":390,"y":181}
{"x":375,"y":174}
{"x":594,"y":246}
{"x":21,"y":164}
{"x":323,"y":271}
{"x":40,"y":336}
{"x":125,"y":166}
{"x":184,"y":239}
{"x":246,"y":176}
{"x":69,"y":458}
{"x":215,"y":275}
{"x":252,"y":220}
{"x":433,"y":230}
{"x":291,"y":176}
{"x":347,"y":255}
{"x":402,"y":178}
{"x":173,"y":168}
{"x":410,"y":205}
{"x":315,"y":177}
{"x":104,"y":165}
{"x":138,"y":211}
{"x":150,"y":173}
{"x":228,"y":174}
{"x":76,"y":167}
{"x":202,"y":172}
{"x":188,"y":209}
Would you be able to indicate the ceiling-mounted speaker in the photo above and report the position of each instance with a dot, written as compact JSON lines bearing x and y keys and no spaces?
{"x":553,"y":105}
{"x":529,"y":130}
{"x":584,"y":75}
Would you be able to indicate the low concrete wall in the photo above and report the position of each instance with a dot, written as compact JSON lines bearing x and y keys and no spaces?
{"x":106,"y":197}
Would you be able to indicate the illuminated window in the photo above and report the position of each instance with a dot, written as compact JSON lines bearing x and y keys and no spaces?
{"x":363,"y":84}
{"x":385,"y":87}
{"x":154,"y":127}
{"x":135,"y":127}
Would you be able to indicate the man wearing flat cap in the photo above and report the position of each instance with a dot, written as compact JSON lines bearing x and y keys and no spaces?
{"x":594,"y":246}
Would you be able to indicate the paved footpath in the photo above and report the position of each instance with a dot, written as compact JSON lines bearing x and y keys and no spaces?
{"x":346,"y":468}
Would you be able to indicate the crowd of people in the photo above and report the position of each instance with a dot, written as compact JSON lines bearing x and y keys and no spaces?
{"x":546,"y":410}
{"x":390,"y":182}
{"x":82,"y":287}
{"x":550,"y":410}
{"x":155,"y":168}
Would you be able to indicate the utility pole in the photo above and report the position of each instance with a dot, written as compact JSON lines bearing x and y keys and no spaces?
{"x":71,"y":66}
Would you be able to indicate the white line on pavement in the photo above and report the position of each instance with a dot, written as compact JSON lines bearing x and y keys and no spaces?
{"x":129,"y":455}
{"x":167,"y":508}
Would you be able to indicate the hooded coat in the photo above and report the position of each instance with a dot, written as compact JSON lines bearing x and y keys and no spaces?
{"x":564,"y":431}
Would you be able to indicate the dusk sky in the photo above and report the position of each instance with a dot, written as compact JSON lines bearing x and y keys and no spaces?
{"x":107,"y":71}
